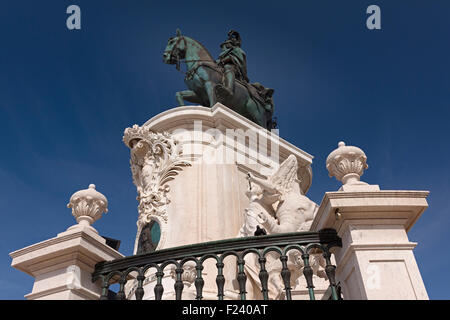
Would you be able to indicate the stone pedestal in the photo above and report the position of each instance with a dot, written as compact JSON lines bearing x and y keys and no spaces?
{"x":62,"y":266}
{"x":189,"y":165}
{"x":376,"y":260}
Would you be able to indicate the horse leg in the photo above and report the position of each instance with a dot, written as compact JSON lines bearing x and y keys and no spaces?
{"x":187,"y":95}
{"x":209,"y":87}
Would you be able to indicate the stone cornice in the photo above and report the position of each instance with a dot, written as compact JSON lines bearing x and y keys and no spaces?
{"x":377,"y":194}
{"x":222,"y":118}
{"x":30,"y":259}
{"x":215,"y":116}
{"x":89,"y":294}
{"x":373,"y":205}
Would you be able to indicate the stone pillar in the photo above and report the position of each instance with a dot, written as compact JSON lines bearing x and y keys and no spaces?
{"x":376,"y":260}
{"x":62,"y":266}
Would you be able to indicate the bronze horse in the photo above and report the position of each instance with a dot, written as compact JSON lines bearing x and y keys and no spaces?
{"x":202,"y":76}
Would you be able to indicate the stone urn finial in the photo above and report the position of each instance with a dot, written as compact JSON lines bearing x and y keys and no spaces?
{"x":347,"y":164}
{"x":87,"y":205}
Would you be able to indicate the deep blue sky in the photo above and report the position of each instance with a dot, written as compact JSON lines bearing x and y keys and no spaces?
{"x":66,"y":97}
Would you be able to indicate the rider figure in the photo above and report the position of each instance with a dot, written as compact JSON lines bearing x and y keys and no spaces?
{"x":234,"y":62}
{"x":233,"y":59}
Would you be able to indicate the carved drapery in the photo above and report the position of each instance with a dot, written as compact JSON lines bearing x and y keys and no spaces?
{"x":156,"y":158}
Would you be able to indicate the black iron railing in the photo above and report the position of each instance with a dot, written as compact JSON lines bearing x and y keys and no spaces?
{"x":120,"y":270}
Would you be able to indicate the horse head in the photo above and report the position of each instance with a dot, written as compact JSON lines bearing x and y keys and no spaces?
{"x":175,"y":49}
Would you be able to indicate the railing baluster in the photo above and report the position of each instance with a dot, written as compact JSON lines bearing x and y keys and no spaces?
{"x":286,"y":275}
{"x":220,"y":280}
{"x":105,"y":288}
{"x":178,"y":283}
{"x":241,"y":278}
{"x":330,"y":271}
{"x":308,"y":273}
{"x":159,"y":289}
{"x":140,"y":290}
{"x":264,"y":277}
{"x":111,"y":271}
{"x":199,"y":282}
{"x":121,"y":293}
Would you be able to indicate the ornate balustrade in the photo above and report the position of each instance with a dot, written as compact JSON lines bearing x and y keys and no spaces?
{"x":304,"y":243}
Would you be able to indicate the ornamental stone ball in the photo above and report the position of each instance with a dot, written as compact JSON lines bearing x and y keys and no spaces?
{"x":347,"y":164}
{"x":87,"y":206}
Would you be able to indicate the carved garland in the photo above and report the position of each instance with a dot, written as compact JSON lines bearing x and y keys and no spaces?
{"x":155,"y":160}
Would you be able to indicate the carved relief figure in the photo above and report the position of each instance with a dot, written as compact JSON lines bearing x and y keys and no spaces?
{"x":294,"y":211}
{"x":277,"y":204}
{"x":260,"y":201}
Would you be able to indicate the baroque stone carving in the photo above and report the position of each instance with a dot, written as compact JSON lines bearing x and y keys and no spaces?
{"x":88,"y":205}
{"x":277,"y":204}
{"x":156,"y":158}
{"x":347,"y":164}
{"x":258,"y":203}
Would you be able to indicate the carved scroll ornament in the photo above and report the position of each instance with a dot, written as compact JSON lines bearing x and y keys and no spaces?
{"x":155,"y":160}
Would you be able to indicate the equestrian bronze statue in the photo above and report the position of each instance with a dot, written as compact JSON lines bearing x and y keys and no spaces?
{"x":223,"y":80}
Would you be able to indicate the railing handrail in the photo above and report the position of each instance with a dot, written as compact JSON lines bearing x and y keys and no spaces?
{"x":327,"y":237}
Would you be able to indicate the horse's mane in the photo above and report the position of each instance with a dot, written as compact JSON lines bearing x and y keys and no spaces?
{"x":201,"y":46}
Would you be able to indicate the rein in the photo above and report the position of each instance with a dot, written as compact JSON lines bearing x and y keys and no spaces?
{"x":189,"y":74}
